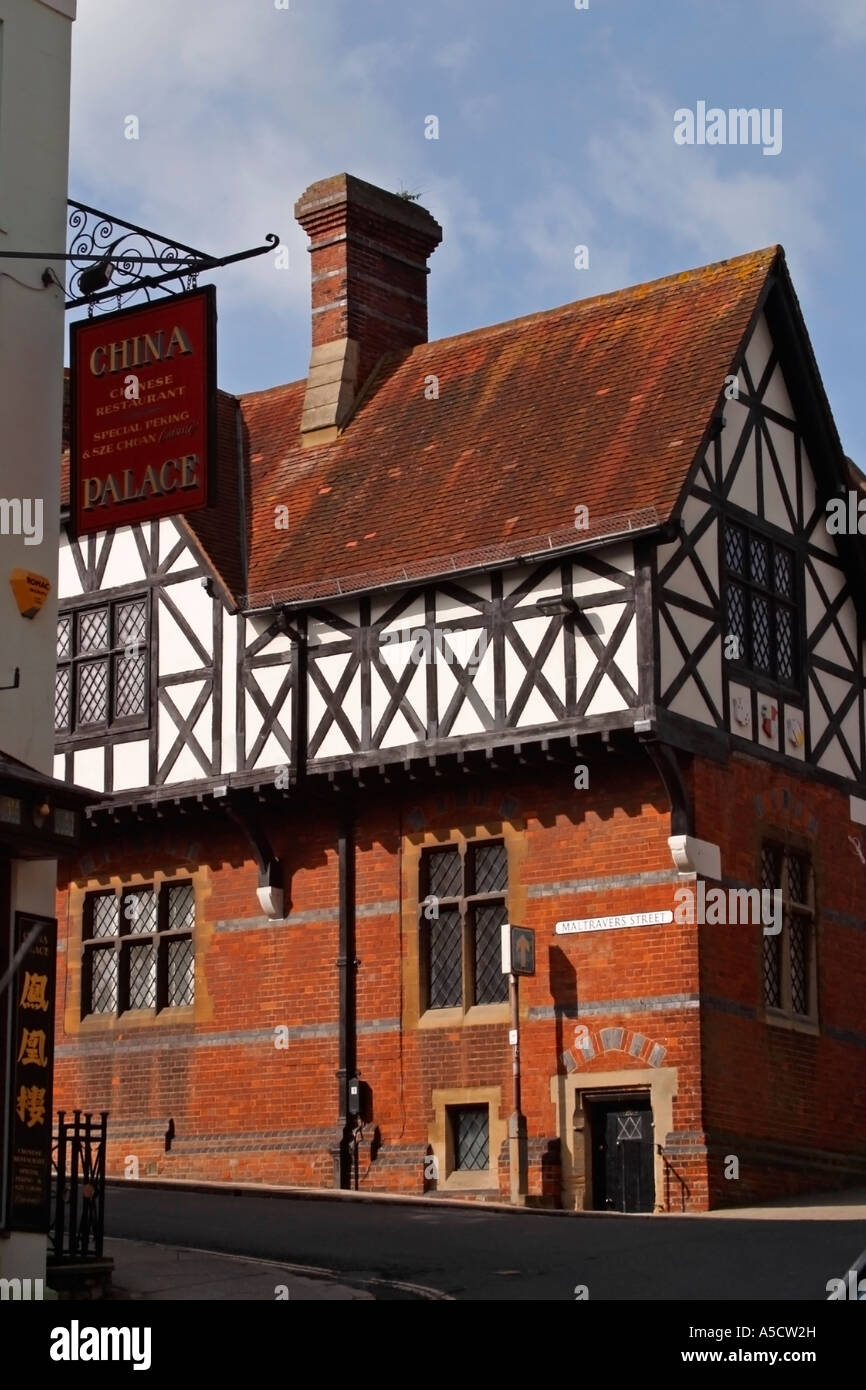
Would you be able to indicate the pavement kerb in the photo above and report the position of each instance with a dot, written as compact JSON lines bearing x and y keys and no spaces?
{"x":330,"y":1194}
{"x":780,"y":1209}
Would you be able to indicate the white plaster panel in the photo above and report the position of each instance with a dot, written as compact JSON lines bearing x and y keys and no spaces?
{"x":88,"y":768}
{"x":131,"y":765}
{"x":758,"y":351}
{"x":851,"y":730}
{"x":253,"y":721}
{"x":176,"y":652}
{"x":272,"y":754}
{"x":774,"y":505}
{"x":124,"y":565}
{"x":68,"y":583}
{"x":744,"y":491}
{"x":319,"y":631}
{"x":416,"y":694}
{"x":549,"y":587}
{"x":833,"y":759}
{"x":831,"y":649}
{"x":619,"y":556}
{"x":187,"y":768}
{"x":776,"y":395}
{"x":710,"y":671}
{"x":448,"y":609}
{"x":553,"y":668}
{"x":228,"y":675}
{"x":535,"y":711}
{"x":334,"y":743}
{"x":607,"y":699}
{"x":411,"y":615}
{"x":707,"y":550}
{"x":168,"y":535}
{"x":269,"y":679}
{"x":467,"y":720}
{"x":399,"y":733}
{"x":689,"y":702}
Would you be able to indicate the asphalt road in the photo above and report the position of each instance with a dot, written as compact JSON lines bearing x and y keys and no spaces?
{"x":472,"y":1254}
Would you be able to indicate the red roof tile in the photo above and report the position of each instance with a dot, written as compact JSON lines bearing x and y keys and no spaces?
{"x":602,"y":402}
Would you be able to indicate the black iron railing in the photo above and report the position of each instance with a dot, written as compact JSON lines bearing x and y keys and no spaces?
{"x":78,"y":1162}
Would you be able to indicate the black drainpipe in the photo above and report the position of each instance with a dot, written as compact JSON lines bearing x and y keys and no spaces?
{"x":346,"y":967}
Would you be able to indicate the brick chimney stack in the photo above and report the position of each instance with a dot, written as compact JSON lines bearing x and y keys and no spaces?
{"x":369,"y":254}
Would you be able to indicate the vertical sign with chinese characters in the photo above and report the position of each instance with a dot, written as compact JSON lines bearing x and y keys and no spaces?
{"x":28,"y":1165}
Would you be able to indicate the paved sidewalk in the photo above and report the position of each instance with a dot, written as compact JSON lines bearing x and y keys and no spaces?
{"x":144,"y":1271}
{"x":847,"y":1205}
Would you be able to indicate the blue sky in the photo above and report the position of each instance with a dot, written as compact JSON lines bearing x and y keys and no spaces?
{"x":555,"y":129}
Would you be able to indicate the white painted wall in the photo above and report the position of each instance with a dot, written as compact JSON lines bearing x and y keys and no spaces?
{"x":34,"y":137}
{"x":35,"y":40}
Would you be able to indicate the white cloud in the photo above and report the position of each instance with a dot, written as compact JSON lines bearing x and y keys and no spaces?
{"x":687,"y":193}
{"x":453,"y":57}
{"x":845,"y":19}
{"x":241,"y":107}
{"x":550,"y":225}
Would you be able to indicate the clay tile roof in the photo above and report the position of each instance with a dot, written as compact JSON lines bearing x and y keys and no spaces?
{"x":602,"y":402}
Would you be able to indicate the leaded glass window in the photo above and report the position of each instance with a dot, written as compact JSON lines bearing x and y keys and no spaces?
{"x":761,"y":603}
{"x":470,"y":1133}
{"x":138,"y":949}
{"x":102,"y":668}
{"x":789,"y":962}
{"x":463,"y":890}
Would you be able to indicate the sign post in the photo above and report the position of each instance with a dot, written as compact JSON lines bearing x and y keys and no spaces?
{"x":518,"y":958}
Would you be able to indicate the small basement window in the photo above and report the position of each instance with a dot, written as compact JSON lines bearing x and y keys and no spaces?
{"x":470,"y":1137}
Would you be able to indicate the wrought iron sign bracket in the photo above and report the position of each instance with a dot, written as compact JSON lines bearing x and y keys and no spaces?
{"x":108,"y":254}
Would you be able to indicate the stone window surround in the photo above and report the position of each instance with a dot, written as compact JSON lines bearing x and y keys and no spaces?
{"x":515,"y":902}
{"x":199,"y":1011}
{"x":440,"y":1138}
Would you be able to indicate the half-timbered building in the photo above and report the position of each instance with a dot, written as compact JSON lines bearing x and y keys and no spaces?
{"x":541,"y":624}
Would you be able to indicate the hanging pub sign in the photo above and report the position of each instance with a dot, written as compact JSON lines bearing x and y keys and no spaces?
{"x":143,"y":412}
{"x":27,"y":1195}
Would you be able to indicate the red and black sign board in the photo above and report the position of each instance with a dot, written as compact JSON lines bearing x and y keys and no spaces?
{"x":28,"y":1129}
{"x":143,"y":412}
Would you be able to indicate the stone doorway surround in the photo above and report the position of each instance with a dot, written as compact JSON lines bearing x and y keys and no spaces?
{"x":569,"y":1093}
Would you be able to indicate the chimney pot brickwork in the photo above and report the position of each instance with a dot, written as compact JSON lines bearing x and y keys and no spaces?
{"x":369,"y":252}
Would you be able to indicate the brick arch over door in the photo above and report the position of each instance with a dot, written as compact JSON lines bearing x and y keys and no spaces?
{"x":590,"y":1043}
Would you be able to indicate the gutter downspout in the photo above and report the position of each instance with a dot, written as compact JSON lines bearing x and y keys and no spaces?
{"x":346,"y":967}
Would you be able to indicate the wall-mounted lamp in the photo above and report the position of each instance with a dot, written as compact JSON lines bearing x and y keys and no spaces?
{"x":561,"y":603}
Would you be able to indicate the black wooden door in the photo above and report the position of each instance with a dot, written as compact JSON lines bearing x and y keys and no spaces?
{"x":623,"y":1155}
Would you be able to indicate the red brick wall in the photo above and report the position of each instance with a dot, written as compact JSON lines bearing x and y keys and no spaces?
{"x":789,"y":1104}
{"x":244,"y":1109}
